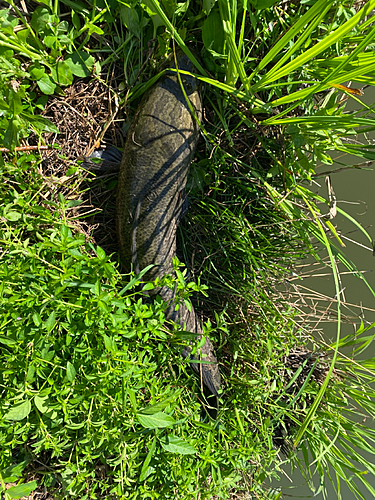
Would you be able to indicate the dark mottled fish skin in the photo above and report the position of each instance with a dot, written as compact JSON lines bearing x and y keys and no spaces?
{"x":159,"y":149}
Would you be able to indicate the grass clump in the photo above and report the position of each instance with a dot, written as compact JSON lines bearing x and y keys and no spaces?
{"x":94,"y":382}
{"x":96,"y":401}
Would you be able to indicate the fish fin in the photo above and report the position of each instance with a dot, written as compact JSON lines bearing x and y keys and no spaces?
{"x":103,"y":160}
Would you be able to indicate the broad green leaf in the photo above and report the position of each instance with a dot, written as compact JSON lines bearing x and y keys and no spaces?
{"x":152,"y":409}
{"x":93,"y":28}
{"x":148,"y":286}
{"x":41,"y":20}
{"x":61,"y":73}
{"x":13,"y":472}
{"x":130,"y":18}
{"x":76,"y":21}
{"x":100,"y":253}
{"x":22,"y":490}
{"x":46,"y":85}
{"x":156,"y":421}
{"x":40,"y":123}
{"x":152,"y":10}
{"x":80,"y":63}
{"x":12,"y":133}
{"x":7,"y":340}
{"x":15,"y":104}
{"x":109,"y":343}
{"x":49,"y":41}
{"x":4,"y":106}
{"x":50,"y":323}
{"x":74,"y":203}
{"x":37,"y":319}
{"x":70,"y":371}
{"x":133,"y":399}
{"x":145,"y":471}
{"x":19,"y":411}
{"x":207,"y":6}
{"x":13,"y":216}
{"x":41,"y":402}
{"x":213,"y":33}
{"x":7,"y":22}
{"x":175,"y":444}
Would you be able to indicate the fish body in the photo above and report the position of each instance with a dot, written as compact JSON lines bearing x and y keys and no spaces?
{"x":158,"y":151}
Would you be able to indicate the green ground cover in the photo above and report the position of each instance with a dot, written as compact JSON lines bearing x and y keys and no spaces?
{"x":96,"y":400}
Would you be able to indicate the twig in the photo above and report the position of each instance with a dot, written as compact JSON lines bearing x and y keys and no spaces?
{"x":25,"y":148}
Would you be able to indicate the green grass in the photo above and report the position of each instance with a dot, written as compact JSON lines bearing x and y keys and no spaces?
{"x":96,"y":400}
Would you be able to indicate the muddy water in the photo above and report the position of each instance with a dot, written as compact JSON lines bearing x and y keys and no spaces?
{"x":354,"y":190}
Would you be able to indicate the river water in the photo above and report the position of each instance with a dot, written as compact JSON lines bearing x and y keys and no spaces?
{"x":354,"y":190}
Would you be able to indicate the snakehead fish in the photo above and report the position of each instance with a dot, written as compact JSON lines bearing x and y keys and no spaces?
{"x":158,"y":151}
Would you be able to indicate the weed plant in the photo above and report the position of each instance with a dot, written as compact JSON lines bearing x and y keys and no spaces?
{"x":96,"y":400}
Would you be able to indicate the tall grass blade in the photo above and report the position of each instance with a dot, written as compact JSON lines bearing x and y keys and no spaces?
{"x":319,"y":396}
